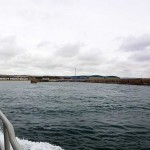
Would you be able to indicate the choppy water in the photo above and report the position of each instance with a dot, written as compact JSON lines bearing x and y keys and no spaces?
{"x":78,"y":116}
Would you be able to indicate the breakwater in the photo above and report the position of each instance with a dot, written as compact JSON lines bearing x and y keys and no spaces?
{"x":134,"y":81}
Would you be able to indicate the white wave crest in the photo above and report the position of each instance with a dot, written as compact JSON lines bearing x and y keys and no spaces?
{"x":28,"y":145}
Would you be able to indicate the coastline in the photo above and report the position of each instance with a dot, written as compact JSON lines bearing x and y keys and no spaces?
{"x":133,"y":81}
{"x":89,"y":79}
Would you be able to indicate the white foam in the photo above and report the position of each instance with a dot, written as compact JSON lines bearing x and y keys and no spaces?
{"x":28,"y":145}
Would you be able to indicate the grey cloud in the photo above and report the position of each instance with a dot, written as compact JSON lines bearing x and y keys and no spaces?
{"x":91,"y":55}
{"x":135,"y":43}
{"x":78,"y":57}
{"x":69,"y":50}
{"x":25,"y":58}
{"x":42,"y":44}
{"x":36,"y":60}
{"x":136,"y":52}
{"x":141,"y":57}
{"x":91,"y":58}
{"x":9,"y":47}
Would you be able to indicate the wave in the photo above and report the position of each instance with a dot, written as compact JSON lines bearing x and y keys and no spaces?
{"x":29,"y":145}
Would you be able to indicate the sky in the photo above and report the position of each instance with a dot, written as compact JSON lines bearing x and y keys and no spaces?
{"x":53,"y":37}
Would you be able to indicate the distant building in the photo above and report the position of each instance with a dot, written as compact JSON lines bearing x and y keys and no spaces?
{"x":18,"y":79}
{"x":45,"y":79}
{"x":4,"y":79}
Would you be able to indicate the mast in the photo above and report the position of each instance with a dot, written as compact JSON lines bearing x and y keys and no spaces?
{"x":75,"y":71}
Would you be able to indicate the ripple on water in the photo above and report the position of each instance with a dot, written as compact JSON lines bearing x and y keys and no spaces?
{"x":79,"y":116}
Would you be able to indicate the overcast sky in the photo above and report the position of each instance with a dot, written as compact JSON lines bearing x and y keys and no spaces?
{"x":53,"y":37}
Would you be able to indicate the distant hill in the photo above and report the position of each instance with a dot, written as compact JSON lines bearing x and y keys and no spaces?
{"x":112,"y":77}
{"x":90,"y":76}
{"x":96,"y":76}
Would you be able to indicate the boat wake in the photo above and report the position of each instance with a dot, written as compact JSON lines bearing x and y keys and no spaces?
{"x":28,"y":145}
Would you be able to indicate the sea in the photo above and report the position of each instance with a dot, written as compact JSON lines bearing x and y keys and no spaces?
{"x":77,"y":116}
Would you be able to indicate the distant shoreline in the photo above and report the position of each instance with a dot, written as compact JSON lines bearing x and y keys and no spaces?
{"x":134,"y":81}
{"x":89,"y":79}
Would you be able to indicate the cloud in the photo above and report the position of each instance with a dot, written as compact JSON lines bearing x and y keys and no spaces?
{"x":141,"y":57}
{"x":64,"y":59}
{"x":9,"y":47}
{"x":43,"y":44}
{"x":132,"y":57}
{"x":90,"y":57}
{"x":136,"y":52}
{"x":135,"y":43}
{"x":69,"y":50}
{"x":46,"y":58}
{"x":91,"y":54}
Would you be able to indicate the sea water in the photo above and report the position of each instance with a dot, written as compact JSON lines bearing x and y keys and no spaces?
{"x":77,"y":116}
